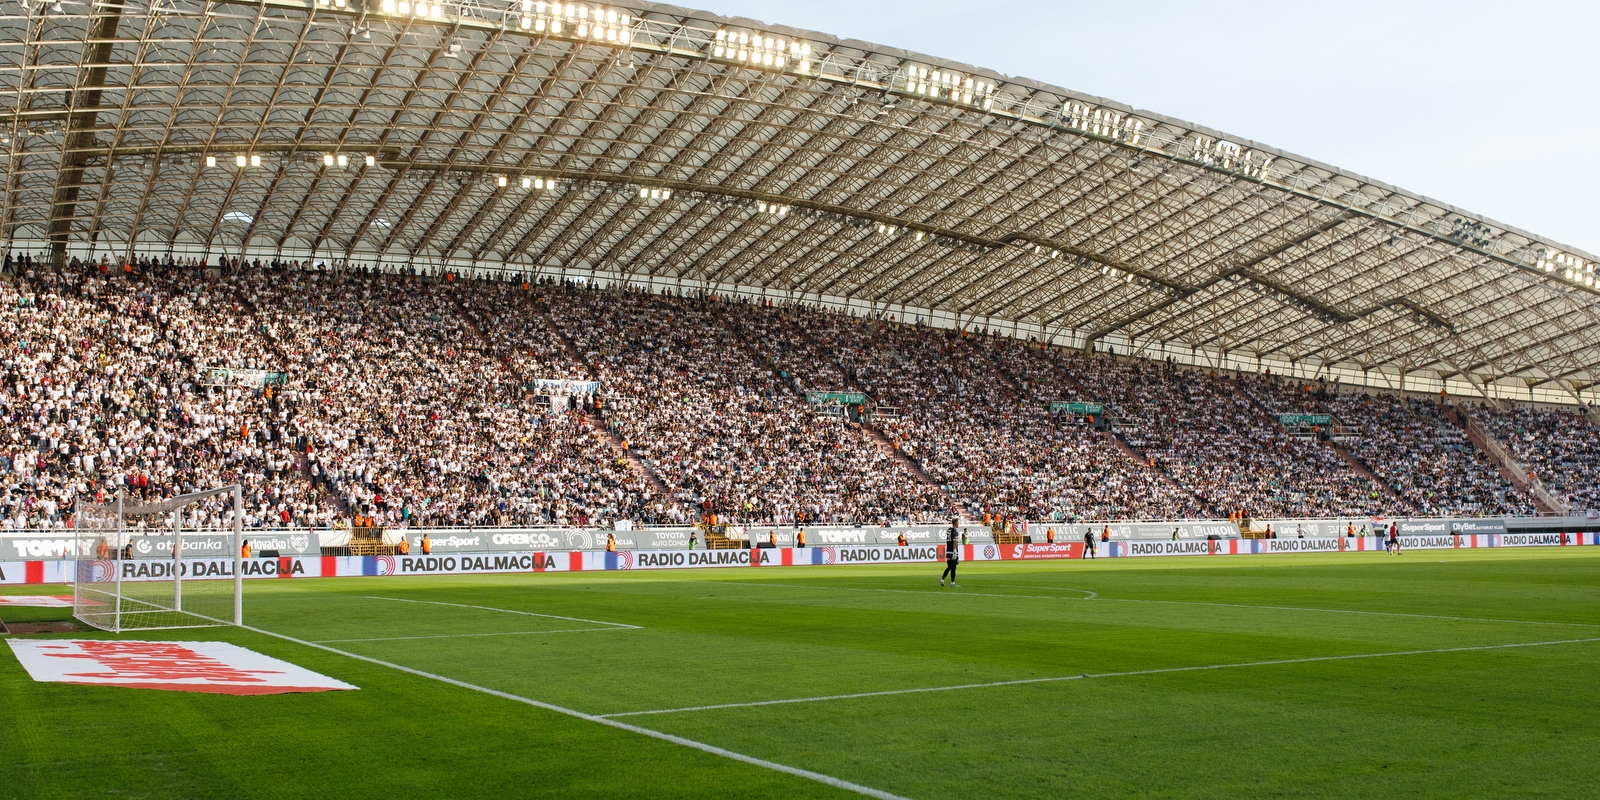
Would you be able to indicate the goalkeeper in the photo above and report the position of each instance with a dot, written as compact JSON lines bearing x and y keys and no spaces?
{"x":952,"y":554}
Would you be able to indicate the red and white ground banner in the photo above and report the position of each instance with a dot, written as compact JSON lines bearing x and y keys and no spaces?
{"x":37,"y":600}
{"x":212,"y":667}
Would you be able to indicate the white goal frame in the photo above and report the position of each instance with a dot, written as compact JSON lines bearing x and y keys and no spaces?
{"x":104,"y":541}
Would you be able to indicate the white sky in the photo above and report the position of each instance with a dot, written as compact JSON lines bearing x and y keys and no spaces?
{"x":1493,"y":107}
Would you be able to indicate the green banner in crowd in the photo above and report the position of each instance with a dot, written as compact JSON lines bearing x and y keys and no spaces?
{"x":1291,"y":420}
{"x":847,"y":398}
{"x":1060,"y":406}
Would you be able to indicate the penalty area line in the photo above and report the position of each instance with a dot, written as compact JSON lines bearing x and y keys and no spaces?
{"x":828,"y":780}
{"x":1089,"y":676}
{"x":469,"y":635}
{"x":506,"y":611}
{"x":942,"y":593}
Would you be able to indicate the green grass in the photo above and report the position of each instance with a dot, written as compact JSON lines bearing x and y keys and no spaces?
{"x":1469,"y":723}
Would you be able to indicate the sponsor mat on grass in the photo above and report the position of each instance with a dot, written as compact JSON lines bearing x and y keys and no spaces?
{"x":210,"y":667}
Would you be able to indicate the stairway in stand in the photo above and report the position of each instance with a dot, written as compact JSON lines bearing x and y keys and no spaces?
{"x":912,"y":465}
{"x":982,"y":347}
{"x":1506,"y":464}
{"x":868,"y":429}
{"x":1355,"y":463}
{"x":598,"y":422}
{"x":1144,"y":462}
{"x":1360,"y":468}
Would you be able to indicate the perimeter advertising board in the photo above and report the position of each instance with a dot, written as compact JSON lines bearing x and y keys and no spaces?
{"x":290,"y":567}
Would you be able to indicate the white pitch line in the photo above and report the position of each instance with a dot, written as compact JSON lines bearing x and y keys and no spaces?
{"x":1091,"y":595}
{"x":507,"y":611}
{"x":1166,"y":602}
{"x":1356,"y":611}
{"x":828,"y":780}
{"x":1087,"y":676}
{"x":468,"y":635}
{"x":947,"y":592}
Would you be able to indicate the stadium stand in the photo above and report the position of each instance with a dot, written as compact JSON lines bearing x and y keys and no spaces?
{"x":1559,"y":446}
{"x":402,"y":399}
{"x":1415,"y":445}
{"x":851,"y":270}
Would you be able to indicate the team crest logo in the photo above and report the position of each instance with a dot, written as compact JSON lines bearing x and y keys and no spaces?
{"x":298,"y":543}
{"x":988,"y":552}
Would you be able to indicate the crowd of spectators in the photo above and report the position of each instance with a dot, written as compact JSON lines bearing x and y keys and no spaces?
{"x":1559,"y":446}
{"x":105,"y":385}
{"x":1210,"y":434}
{"x":393,"y":398}
{"x":990,"y":442}
{"x":730,"y":435}
{"x":1426,"y":457}
{"x":413,"y":417}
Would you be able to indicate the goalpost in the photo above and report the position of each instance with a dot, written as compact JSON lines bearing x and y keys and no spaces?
{"x":140,"y":567}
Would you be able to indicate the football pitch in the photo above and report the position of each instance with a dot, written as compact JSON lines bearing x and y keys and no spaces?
{"x":1431,"y":674}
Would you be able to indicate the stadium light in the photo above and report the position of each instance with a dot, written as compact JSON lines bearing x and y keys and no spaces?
{"x":327,"y":159}
{"x":761,"y":51}
{"x":1570,"y":267}
{"x":372,"y":161}
{"x":593,"y":23}
{"x":255,"y":160}
{"x":1231,"y":157}
{"x":342,"y":160}
{"x":527,"y":183}
{"x":500,"y":181}
{"x":211,"y":161}
{"x":953,"y":87}
{"x":240,"y":160}
{"x":1103,"y":122}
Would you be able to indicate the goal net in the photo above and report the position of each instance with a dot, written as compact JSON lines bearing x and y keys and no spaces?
{"x":168,"y":564}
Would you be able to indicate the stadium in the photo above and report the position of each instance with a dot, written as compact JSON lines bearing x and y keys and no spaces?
{"x":525,"y":398}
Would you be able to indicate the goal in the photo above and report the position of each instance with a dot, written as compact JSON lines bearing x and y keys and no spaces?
{"x":170,"y":564}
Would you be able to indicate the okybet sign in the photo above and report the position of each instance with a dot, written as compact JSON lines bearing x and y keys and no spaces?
{"x":1447,"y":527}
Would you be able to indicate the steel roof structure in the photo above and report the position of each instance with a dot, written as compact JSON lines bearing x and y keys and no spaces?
{"x":655,"y":142}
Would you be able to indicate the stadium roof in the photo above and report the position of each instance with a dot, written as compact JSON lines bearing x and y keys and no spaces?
{"x":686,"y":146}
